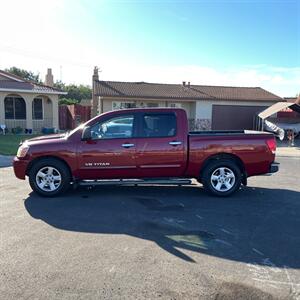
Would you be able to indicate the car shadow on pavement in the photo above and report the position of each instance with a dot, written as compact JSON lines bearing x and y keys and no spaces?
{"x":256,"y":225}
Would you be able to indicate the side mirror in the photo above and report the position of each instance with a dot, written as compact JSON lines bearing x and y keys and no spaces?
{"x":86,"y":134}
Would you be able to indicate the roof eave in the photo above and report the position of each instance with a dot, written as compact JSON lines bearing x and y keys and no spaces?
{"x":187,"y":98}
{"x":33,"y":91}
{"x":153,"y":97}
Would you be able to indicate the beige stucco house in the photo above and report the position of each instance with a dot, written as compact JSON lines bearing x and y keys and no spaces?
{"x":28,"y":105}
{"x":207,"y":107}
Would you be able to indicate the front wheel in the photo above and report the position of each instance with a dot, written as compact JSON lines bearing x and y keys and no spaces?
{"x":49,"y":177}
{"x":222,"y":177}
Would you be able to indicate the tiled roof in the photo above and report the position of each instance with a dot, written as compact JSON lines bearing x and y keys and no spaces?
{"x":15,"y":83}
{"x":178,"y":91}
{"x":146,"y":90}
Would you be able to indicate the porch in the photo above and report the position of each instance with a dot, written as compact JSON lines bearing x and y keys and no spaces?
{"x":28,"y":111}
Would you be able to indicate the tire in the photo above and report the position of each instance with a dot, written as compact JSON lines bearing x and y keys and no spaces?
{"x":221,"y":177}
{"x":49,"y":177}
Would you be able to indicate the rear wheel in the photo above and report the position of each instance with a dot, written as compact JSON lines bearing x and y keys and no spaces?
{"x":49,"y":177}
{"x":222,"y":177}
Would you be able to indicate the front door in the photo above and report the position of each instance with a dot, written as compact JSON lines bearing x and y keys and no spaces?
{"x":111,"y":151}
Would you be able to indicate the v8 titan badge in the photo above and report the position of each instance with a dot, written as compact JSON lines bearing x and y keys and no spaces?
{"x":97,"y":164}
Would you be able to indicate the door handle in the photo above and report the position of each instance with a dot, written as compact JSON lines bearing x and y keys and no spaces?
{"x":175,"y":143}
{"x":127,"y":145}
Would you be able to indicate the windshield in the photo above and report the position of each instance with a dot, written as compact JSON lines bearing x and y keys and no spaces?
{"x":74,"y":130}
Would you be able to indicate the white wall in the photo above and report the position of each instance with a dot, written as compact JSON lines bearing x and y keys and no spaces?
{"x":188,"y":106}
{"x":203,"y":110}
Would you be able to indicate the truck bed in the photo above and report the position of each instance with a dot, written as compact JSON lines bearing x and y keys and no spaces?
{"x":249,"y":147}
{"x":226,"y":132}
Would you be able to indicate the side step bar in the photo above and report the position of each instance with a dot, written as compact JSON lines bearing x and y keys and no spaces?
{"x":159,"y":181}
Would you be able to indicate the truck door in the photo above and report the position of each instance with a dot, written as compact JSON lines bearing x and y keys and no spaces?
{"x":111,"y":151}
{"x":160,"y":147}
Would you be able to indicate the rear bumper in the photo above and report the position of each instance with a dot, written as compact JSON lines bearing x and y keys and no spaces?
{"x":274,"y":167}
{"x":20,"y":167}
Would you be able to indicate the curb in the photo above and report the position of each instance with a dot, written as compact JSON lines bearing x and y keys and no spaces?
{"x":6,"y":161}
{"x":288,"y":155}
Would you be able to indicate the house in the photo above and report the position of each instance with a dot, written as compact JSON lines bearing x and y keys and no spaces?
{"x":207,"y":107}
{"x":288,"y":114}
{"x":292,"y":99}
{"x":27,"y":104}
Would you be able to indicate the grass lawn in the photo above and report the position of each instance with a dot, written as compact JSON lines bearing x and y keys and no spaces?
{"x":9,"y":143}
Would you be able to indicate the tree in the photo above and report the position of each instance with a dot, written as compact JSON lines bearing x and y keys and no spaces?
{"x":78,"y":92}
{"x":59,"y":85}
{"x":75,"y":92}
{"x":66,"y":101}
{"x":28,"y":75}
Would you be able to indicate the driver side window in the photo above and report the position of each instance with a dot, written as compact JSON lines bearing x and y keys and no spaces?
{"x":114,"y":128}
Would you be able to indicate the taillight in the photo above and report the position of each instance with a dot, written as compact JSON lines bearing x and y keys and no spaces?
{"x":272,"y":145}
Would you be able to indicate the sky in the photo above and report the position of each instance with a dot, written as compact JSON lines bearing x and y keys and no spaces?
{"x":228,"y":42}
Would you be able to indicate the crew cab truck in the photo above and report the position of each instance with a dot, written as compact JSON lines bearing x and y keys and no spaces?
{"x":144,"y":146}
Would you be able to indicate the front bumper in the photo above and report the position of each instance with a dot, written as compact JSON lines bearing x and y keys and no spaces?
{"x":274,"y":167}
{"x":20,"y":167}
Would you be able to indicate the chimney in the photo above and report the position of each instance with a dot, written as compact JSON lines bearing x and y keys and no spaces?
{"x":49,"y":78}
{"x":183,"y":83}
{"x":96,"y":101}
{"x":189,"y":84}
{"x":96,"y":73}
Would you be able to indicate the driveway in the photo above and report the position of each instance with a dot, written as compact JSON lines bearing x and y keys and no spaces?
{"x":152,"y":242}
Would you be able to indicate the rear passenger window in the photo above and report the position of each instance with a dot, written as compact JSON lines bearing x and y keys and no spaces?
{"x":158,"y":125}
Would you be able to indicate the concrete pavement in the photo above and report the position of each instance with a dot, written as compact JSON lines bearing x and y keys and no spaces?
{"x":288,"y":152}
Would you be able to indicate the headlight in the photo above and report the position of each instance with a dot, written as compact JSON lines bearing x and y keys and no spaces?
{"x":22,"y":151}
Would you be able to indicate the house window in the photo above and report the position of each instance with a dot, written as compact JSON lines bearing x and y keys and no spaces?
{"x":122,"y":105}
{"x":37,"y":109}
{"x":175,"y":105}
{"x":15,"y":108}
{"x":152,"y":105}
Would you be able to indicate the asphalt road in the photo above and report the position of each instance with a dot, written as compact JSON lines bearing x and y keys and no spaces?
{"x":152,"y":242}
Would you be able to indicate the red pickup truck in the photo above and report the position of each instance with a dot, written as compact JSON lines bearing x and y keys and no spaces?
{"x":144,"y":146}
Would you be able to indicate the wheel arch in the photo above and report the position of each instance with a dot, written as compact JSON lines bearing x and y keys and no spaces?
{"x":228,"y":156}
{"x":48,"y":157}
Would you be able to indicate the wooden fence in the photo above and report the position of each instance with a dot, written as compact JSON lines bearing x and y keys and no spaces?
{"x":70,"y":116}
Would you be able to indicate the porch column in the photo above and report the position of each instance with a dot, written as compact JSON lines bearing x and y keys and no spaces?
{"x":54,"y":100}
{"x":2,"y":110}
{"x":28,"y":100}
